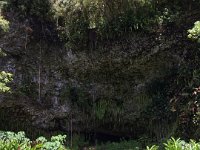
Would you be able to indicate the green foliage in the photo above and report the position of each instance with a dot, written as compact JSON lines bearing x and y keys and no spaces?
{"x":110,"y":19}
{"x":78,"y":142}
{"x":188,"y":80}
{"x":4,"y":79}
{"x":15,"y":141}
{"x":166,"y":16}
{"x":154,"y":147}
{"x":177,"y":144}
{"x":100,"y":109}
{"x":10,"y":140}
{"x":173,"y":144}
{"x":123,"y":145}
{"x":38,"y":8}
{"x":4,"y":24}
{"x":194,"y":33}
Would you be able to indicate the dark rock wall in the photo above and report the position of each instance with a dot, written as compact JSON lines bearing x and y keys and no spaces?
{"x":109,"y":89}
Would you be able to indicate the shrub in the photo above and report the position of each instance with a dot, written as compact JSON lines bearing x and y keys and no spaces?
{"x":16,"y":141}
{"x":177,"y":144}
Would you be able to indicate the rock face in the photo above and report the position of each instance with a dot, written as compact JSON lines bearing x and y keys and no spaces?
{"x":109,"y":89}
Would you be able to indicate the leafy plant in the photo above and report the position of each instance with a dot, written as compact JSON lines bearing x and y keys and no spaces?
{"x":16,"y":141}
{"x":177,"y":144}
{"x":174,"y":144}
{"x":154,"y":147}
{"x":194,"y":33}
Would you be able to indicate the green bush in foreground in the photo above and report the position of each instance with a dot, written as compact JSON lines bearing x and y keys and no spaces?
{"x":173,"y":144}
{"x":18,"y":141}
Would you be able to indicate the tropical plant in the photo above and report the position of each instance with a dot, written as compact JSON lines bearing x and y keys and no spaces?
{"x":16,"y":141}
{"x":154,"y":147}
{"x":173,"y":144}
{"x":177,"y":144}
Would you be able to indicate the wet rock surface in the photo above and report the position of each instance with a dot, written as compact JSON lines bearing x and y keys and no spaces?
{"x":106,"y":89}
